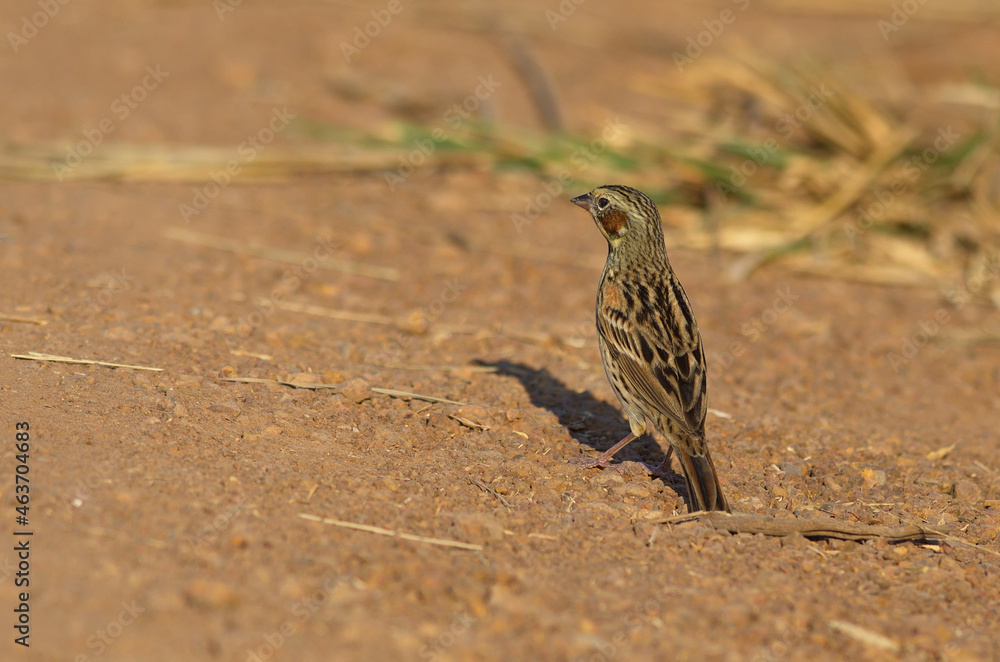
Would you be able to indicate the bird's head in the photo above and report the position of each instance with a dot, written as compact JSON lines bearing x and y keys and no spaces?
{"x":622,"y":214}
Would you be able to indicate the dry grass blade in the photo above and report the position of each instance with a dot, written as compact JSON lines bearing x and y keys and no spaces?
{"x":940,"y":453}
{"x":540,"y":255}
{"x":38,"y":356}
{"x":440,"y":542}
{"x":812,"y":220}
{"x":198,"y":163}
{"x":22,"y":320}
{"x":974,"y":12}
{"x":335,"y":313}
{"x":408,"y":325}
{"x":313,"y":386}
{"x":472,"y":425}
{"x":865,"y":636}
{"x":255,"y":355}
{"x":486,"y":487}
{"x":870,"y":274}
{"x":393,"y":393}
{"x":441,"y":368}
{"x":772,"y":526}
{"x":542,"y":536}
{"x":279,"y":254}
{"x":535,"y":78}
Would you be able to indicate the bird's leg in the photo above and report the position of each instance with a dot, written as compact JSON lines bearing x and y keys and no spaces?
{"x":663,"y":470}
{"x":604,"y":459}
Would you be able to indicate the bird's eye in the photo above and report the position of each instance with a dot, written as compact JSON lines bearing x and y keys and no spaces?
{"x":603,"y":202}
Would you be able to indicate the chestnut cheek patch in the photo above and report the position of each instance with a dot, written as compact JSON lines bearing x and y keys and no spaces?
{"x":614,"y":222}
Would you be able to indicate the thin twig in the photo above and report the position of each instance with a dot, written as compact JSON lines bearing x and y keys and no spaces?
{"x":315,"y":386}
{"x":279,"y":254}
{"x":864,"y":635}
{"x":472,"y":425}
{"x":335,"y":313}
{"x":22,"y":320}
{"x":198,"y":163}
{"x":772,"y":526}
{"x":441,"y":542}
{"x":393,"y":393}
{"x":818,"y":217}
{"x":488,"y":488}
{"x":536,"y":79}
{"x":38,"y":356}
{"x":440,"y":368}
{"x":243,"y":352}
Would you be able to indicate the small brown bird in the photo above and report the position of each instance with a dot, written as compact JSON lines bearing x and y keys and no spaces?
{"x":649,"y":339}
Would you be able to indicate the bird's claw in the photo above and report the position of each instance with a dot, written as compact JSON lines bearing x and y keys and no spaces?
{"x":623,"y":468}
{"x":591,"y":463}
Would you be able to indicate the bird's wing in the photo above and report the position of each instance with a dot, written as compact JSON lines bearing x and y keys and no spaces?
{"x":668,"y":379}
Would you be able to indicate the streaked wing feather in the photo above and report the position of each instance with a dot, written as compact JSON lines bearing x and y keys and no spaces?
{"x":672,"y":383}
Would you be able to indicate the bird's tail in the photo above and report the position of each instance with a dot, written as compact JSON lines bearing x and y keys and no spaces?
{"x":704,"y":491}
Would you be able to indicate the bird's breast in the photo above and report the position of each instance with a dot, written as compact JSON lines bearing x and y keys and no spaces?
{"x":611,"y":295}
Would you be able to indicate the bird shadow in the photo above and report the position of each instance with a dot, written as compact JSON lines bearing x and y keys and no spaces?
{"x":591,"y":422}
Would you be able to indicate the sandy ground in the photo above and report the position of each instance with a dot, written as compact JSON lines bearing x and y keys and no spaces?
{"x":166,"y":506}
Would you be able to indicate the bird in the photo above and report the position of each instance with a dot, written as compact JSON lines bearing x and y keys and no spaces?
{"x":650,"y":342}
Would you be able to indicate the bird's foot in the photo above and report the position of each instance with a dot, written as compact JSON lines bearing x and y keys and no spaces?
{"x":592,"y":462}
{"x":623,"y":468}
{"x":661,"y":470}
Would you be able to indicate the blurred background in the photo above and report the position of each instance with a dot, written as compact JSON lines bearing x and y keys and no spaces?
{"x":854,"y":140}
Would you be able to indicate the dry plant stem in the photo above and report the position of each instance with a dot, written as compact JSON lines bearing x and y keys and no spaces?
{"x":335,"y":313}
{"x":815,"y":219}
{"x":441,"y":368}
{"x":440,"y":542}
{"x":38,"y":356}
{"x":279,"y":254}
{"x":22,"y":320}
{"x":488,"y":489}
{"x":536,"y":79}
{"x":772,"y":526}
{"x":393,"y":393}
{"x":197,"y":163}
{"x":315,"y":386}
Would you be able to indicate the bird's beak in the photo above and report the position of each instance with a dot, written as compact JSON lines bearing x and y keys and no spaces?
{"x":583,"y":201}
